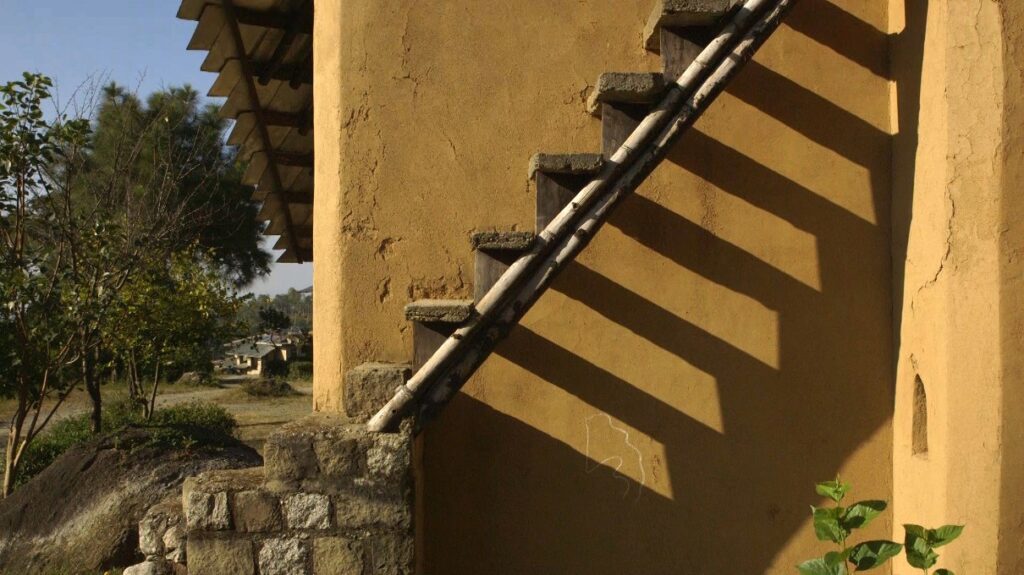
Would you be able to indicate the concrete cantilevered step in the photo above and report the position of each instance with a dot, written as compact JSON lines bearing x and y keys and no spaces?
{"x":622,"y":100}
{"x":495,"y":252}
{"x":434,"y":320}
{"x":679,"y":30}
{"x":558,"y":178}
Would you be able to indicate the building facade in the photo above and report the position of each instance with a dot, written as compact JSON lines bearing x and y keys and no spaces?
{"x":822,"y":278}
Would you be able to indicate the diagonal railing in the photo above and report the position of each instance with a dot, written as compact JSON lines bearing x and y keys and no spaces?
{"x":444,"y":374}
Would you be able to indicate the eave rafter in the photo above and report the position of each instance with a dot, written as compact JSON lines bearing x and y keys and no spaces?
{"x":258,"y":69}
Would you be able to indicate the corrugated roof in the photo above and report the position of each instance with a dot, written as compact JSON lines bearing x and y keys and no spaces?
{"x":268,"y":84}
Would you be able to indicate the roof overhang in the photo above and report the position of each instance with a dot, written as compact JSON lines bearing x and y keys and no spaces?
{"x":262,"y":53}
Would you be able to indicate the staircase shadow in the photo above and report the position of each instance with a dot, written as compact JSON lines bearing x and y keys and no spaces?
{"x":738,"y":496}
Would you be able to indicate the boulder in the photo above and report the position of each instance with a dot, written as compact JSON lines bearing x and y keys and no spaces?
{"x":82,"y":513}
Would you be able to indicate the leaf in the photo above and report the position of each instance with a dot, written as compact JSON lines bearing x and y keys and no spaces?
{"x":919,"y":551}
{"x":860,"y":514}
{"x":871,"y":554}
{"x":826,"y":524}
{"x":821,"y":567}
{"x":834,"y":490}
{"x":921,"y":560}
{"x":915,"y":530}
{"x":944,"y":535}
{"x":944,"y":572}
{"x":837,"y":558}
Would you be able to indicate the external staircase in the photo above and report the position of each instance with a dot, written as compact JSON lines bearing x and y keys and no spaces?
{"x":335,"y":495}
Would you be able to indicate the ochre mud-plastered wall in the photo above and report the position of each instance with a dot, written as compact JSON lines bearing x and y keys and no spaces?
{"x":725,"y":342}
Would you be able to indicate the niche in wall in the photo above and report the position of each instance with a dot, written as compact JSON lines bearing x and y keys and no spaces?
{"x":919,"y":443}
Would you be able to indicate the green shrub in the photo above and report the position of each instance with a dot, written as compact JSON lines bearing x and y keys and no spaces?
{"x":268,"y":388}
{"x":186,"y":426}
{"x":300,"y":370}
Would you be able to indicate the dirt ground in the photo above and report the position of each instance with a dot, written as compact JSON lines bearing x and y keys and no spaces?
{"x":257,"y":417}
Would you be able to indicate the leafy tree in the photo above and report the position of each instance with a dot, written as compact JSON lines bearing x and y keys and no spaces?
{"x":87,"y":208}
{"x":297,"y":306}
{"x":273,"y":319}
{"x":39,"y":305}
{"x":173,"y":123}
{"x":174,"y":315}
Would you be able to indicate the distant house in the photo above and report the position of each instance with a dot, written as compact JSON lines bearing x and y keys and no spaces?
{"x":251,"y":357}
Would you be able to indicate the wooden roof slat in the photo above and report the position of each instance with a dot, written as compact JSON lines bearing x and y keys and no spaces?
{"x":262,"y":53}
{"x":211,"y":23}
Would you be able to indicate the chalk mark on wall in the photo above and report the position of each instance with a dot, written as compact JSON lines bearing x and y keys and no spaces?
{"x":616,"y":462}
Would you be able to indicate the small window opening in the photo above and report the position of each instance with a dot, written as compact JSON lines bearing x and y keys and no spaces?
{"x":920,"y":439}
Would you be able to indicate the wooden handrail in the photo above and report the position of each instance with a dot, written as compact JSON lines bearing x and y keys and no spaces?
{"x":441,"y":377}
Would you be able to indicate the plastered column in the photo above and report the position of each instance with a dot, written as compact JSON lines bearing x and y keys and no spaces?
{"x":955,"y":238}
{"x":328,"y":240}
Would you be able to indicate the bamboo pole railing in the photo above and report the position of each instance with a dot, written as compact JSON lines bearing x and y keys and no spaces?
{"x":447,"y":370}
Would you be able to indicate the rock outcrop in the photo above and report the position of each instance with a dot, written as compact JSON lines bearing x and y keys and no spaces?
{"x":82,"y":513}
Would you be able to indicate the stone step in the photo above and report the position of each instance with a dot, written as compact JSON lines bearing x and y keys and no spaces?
{"x":369,"y":386}
{"x":626,"y":88}
{"x":495,"y":252}
{"x":558,"y":178}
{"x":328,"y":453}
{"x":683,"y":14}
{"x":622,"y":100}
{"x":566,"y":164}
{"x":453,"y":311}
{"x":433,"y":322}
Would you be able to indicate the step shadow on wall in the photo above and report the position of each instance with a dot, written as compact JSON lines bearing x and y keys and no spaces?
{"x":739,"y":496}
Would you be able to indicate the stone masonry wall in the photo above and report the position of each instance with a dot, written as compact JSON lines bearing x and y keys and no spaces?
{"x":332,"y":499}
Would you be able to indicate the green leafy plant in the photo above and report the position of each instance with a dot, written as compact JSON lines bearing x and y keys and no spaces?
{"x":922,"y":542}
{"x":836,"y":524}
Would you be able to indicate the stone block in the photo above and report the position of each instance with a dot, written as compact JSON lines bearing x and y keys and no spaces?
{"x":439,"y":311}
{"x":289,"y":458}
{"x":388,"y":461}
{"x":157,"y":567}
{"x":256,"y":511}
{"x":369,"y":386}
{"x":208,"y":556}
{"x":174,"y":540}
{"x":358,"y":511}
{"x":308,"y":511}
{"x":159,"y":520}
{"x":337,"y":556}
{"x":389,"y":555}
{"x":339,"y":457}
{"x":284,"y":556}
{"x":207,"y":511}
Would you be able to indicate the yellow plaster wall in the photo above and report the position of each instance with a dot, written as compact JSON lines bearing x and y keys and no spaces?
{"x":723,"y":344}
{"x":331,"y":66}
{"x":957,"y":241}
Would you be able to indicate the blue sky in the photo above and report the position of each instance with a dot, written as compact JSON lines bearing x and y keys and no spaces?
{"x":137,"y":43}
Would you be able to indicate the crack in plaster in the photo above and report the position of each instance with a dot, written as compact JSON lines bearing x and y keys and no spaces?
{"x":616,"y":462}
